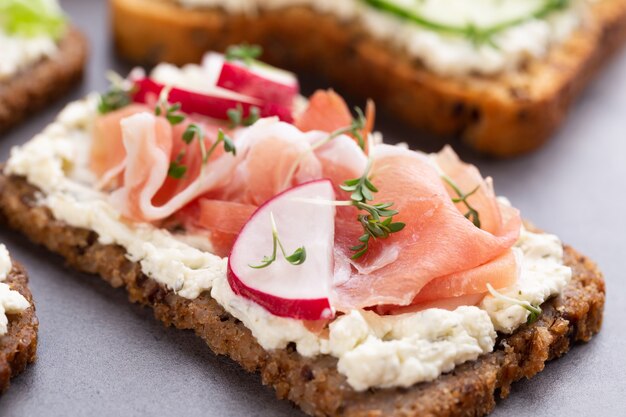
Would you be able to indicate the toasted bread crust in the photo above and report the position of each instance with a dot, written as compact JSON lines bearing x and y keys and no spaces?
{"x":33,"y":88}
{"x":18,"y":346}
{"x":504,"y":115}
{"x":314,"y":383}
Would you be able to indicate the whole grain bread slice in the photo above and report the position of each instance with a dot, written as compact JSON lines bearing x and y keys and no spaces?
{"x":18,"y":347}
{"x":314,"y":384}
{"x":503,"y":115}
{"x":48,"y":79}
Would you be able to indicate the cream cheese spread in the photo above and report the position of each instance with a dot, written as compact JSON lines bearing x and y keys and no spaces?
{"x":448,"y":55}
{"x":372,"y":350}
{"x":19,"y":52}
{"x":11,"y":301}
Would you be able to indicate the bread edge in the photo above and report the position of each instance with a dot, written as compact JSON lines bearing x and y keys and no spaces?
{"x":35,"y":87}
{"x":18,"y":347}
{"x":494,"y":115}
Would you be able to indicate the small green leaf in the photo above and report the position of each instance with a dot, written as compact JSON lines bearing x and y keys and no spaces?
{"x":176,"y":170}
{"x":189,"y":134}
{"x":243,"y":52}
{"x":298,"y":257}
{"x":235,"y":116}
{"x":175,"y":119}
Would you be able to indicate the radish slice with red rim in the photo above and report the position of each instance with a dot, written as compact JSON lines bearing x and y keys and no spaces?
{"x":269,"y":84}
{"x":216,"y":106}
{"x":287,"y":290}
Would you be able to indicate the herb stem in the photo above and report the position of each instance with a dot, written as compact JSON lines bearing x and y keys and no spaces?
{"x":296,"y":258}
{"x":471,"y":214}
{"x":535,"y":311}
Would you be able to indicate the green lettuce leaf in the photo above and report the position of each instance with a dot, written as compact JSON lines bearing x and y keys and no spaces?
{"x":32,"y":18}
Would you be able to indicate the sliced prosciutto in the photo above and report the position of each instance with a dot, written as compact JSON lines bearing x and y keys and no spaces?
{"x":297,"y":291}
{"x":327,"y":111}
{"x":437,"y":241}
{"x":148,"y":142}
{"x":440,"y":258}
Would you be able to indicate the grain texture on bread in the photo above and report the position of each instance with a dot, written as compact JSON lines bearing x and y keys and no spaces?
{"x":501,"y":115}
{"x":314,"y":384}
{"x":18,"y":346}
{"x":44,"y":81}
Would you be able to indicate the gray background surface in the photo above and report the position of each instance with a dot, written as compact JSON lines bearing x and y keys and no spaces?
{"x":100,"y":355}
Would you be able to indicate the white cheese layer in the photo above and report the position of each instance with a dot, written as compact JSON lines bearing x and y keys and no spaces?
{"x":372,"y":351}
{"x":11,"y":301}
{"x":448,"y":55}
{"x":387,"y":351}
{"x":19,"y":52}
{"x":543,"y":276}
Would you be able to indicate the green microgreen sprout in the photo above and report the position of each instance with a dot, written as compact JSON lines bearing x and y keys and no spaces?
{"x":355,"y":128}
{"x":193,"y":131}
{"x":236,"y":116}
{"x":534,"y":311}
{"x":471,"y":214}
{"x":377,"y":221}
{"x":244,"y":52}
{"x":118,"y":95}
{"x":296,"y":258}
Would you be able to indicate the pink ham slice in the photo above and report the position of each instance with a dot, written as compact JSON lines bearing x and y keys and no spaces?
{"x":438,"y":240}
{"x":149,"y":142}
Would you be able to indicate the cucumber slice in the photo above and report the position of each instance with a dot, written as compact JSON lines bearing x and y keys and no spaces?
{"x":32,"y":18}
{"x":477,"y":20}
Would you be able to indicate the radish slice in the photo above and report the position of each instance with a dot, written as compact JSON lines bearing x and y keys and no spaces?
{"x":216,"y":106}
{"x":264,"y":83}
{"x":286,"y":290}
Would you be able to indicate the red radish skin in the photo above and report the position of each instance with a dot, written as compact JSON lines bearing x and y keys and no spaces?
{"x":243,"y":80}
{"x":147,"y":91}
{"x":282,"y":276}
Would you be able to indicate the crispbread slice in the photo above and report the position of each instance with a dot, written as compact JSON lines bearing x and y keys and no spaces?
{"x":502,"y":115}
{"x":33,"y":88}
{"x":314,"y":384}
{"x":18,"y":346}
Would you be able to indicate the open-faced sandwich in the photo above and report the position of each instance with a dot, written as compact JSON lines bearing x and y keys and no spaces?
{"x":500,"y":74}
{"x":41,"y":57}
{"x":359,"y":278}
{"x":18,"y":323}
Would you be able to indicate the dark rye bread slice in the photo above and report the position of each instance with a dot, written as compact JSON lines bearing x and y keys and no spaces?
{"x":314,"y":384}
{"x":502,"y":115}
{"x":36,"y":86}
{"x":18,"y":346}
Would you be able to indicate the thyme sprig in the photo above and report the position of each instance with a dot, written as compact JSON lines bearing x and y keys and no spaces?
{"x":377,"y":221}
{"x":296,"y":258}
{"x":236,"y":118}
{"x":534,"y":311}
{"x":471,"y":214}
{"x":477,"y":35}
{"x":244,"y":52}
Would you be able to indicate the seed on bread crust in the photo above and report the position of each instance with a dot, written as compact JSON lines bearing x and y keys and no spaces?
{"x":314,"y":384}
{"x":35,"y":87}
